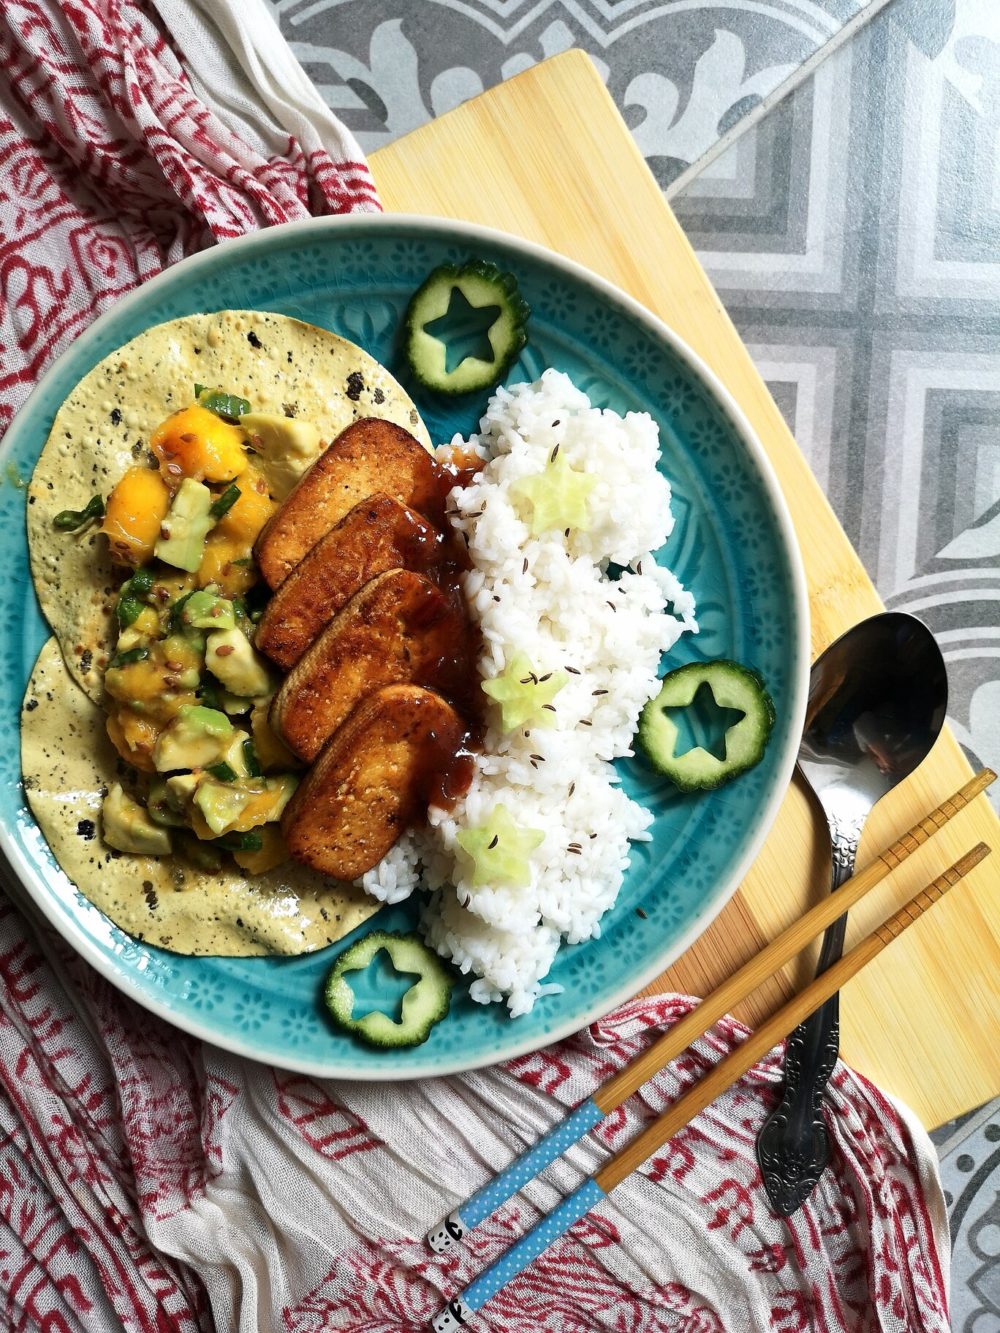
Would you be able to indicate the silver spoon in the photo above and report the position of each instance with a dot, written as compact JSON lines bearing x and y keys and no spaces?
{"x":877,"y":700}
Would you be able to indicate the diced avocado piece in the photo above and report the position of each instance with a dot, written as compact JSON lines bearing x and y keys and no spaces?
{"x":163,"y":806}
{"x":234,"y":704}
{"x":183,"y":531}
{"x":181,"y":789}
{"x":285,"y":447}
{"x":196,"y":737}
{"x":206,"y":610}
{"x":231,"y":657}
{"x":130,"y":638}
{"x":222,"y":803}
{"x":235,"y":755}
{"x":282,"y":789}
{"x":245,"y":803}
{"x":128,"y":827}
{"x":184,"y":656}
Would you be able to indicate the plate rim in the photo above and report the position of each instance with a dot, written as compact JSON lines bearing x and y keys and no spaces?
{"x":121,"y":978}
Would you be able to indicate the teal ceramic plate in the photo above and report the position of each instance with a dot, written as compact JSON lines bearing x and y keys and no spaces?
{"x":732,"y":545}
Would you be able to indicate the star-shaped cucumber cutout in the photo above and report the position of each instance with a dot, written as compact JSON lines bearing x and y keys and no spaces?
{"x":702,"y":724}
{"x":557,"y":497}
{"x":523,"y":694}
{"x":499,"y":850}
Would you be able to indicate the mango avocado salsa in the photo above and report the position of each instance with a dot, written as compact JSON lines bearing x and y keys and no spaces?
{"x":186,"y":691}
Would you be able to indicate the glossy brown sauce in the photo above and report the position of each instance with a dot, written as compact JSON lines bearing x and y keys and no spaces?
{"x":448,"y":770}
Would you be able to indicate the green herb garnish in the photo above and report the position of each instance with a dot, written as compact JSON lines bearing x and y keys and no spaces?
{"x":222,"y":771}
{"x":129,"y":606}
{"x":68,"y":520}
{"x":254,"y":769}
{"x":210,"y":696}
{"x":127,"y":658}
{"x":240,"y":842}
{"x":141,"y":582}
{"x":222,"y":404}
{"x":225,"y":502}
{"x":128,"y":610}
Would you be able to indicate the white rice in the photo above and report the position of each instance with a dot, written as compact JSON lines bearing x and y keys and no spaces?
{"x":550,"y":597}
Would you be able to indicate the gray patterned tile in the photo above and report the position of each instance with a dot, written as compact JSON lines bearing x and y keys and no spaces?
{"x":683,"y":74}
{"x":853,"y":237}
{"x":970,"y":1173}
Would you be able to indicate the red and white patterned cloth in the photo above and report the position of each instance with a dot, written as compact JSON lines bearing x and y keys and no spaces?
{"x":150,"y":1182}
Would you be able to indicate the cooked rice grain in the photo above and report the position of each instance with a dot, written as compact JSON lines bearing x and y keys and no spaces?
{"x":550,"y":597}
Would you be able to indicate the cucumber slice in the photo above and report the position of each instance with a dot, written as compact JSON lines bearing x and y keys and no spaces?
{"x":424,"y":1004}
{"x":734,"y":686}
{"x":483,"y":285}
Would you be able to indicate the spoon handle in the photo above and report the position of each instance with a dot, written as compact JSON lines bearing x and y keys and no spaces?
{"x":793,"y":1147}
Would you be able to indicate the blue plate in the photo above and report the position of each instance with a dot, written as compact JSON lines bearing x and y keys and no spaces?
{"x":732,"y":545}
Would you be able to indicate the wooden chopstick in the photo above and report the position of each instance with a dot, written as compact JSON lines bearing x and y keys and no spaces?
{"x":716,"y":1081}
{"x":789,"y":1016}
{"x":622,"y":1085}
{"x":781,"y":950}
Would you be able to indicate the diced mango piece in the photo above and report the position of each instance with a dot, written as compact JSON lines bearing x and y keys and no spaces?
{"x":266,"y":805}
{"x":146,"y":623}
{"x":226,"y":563}
{"x":197,"y":443}
{"x":272,"y":752}
{"x":274,"y":852}
{"x":136,"y":508}
{"x":251,"y":511}
{"x":136,"y":681}
{"x":133,"y":737}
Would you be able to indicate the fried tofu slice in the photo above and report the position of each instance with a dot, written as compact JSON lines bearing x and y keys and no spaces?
{"x":399,"y":627}
{"x":377,"y":535}
{"x":369,"y":457}
{"x":372,"y":780}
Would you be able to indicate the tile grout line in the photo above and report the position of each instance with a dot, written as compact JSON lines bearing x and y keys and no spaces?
{"x":973,"y":1124}
{"x":850,"y":29}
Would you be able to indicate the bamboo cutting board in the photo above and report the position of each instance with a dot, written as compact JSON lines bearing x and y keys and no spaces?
{"x":547,"y":156}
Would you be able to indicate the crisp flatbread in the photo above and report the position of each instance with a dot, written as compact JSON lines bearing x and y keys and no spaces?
{"x":103,"y":428}
{"x":68,"y":764}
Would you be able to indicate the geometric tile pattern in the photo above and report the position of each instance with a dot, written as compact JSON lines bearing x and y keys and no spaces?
{"x":970,"y":1172}
{"x":854,"y":236}
{"x":682,"y":72}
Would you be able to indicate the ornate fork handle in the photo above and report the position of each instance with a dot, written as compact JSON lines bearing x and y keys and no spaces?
{"x":793,"y":1147}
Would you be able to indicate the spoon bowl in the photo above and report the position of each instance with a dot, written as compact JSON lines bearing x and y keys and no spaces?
{"x":877,"y":702}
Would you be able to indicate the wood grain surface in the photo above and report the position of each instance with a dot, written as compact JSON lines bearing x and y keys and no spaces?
{"x":547,"y":157}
